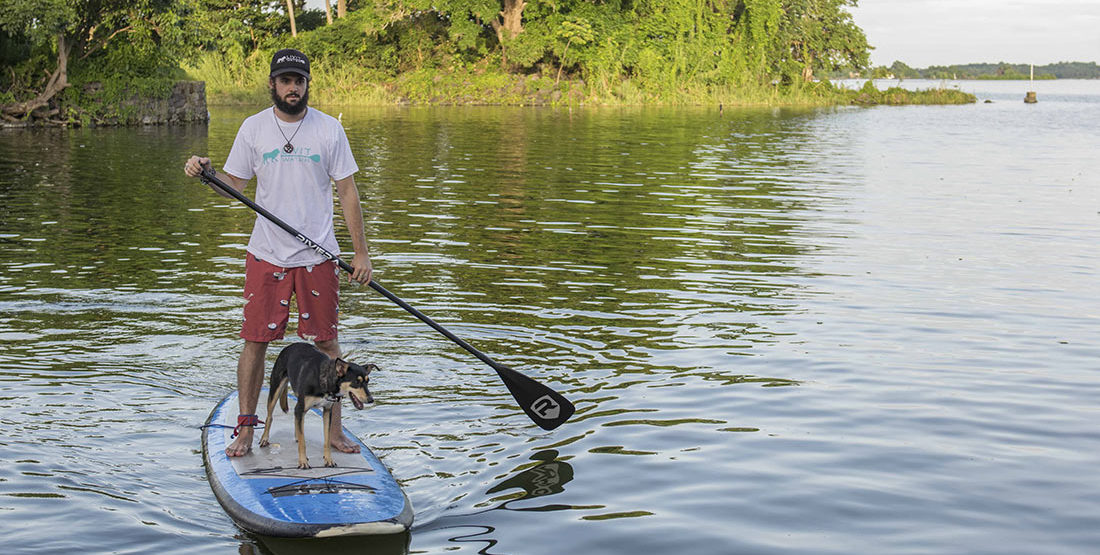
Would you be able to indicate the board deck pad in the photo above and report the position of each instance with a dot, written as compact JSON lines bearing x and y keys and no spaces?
{"x":265,"y":492}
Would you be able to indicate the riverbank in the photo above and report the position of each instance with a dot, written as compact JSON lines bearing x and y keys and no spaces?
{"x":95,"y":104}
{"x":352,"y":87}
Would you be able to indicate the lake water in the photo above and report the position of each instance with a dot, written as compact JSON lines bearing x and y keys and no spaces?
{"x":842,"y":330}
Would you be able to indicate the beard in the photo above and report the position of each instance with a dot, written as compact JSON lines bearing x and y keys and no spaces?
{"x":288,"y":108}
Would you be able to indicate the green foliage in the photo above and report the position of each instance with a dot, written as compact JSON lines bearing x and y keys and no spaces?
{"x":37,"y":21}
{"x":869,"y":95}
{"x":612,"y":51}
{"x":106,"y":45}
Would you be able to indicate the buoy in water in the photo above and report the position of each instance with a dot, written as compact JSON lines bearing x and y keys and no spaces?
{"x":1030,"y":98}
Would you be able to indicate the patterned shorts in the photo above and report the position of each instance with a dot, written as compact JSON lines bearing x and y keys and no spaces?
{"x":268,"y":290}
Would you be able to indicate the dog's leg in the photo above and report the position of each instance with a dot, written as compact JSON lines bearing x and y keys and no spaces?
{"x":283,"y":394}
{"x":327,"y":417}
{"x":299,"y":415}
{"x":272,"y":398}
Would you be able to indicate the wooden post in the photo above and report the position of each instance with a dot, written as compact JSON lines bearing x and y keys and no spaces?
{"x":1030,"y":98}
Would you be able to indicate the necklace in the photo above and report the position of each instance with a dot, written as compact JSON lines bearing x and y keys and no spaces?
{"x":287,"y":148}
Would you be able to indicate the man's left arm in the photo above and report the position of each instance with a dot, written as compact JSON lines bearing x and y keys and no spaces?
{"x":348,"y":194}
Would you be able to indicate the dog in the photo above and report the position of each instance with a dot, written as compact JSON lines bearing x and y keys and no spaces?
{"x":317,"y":380}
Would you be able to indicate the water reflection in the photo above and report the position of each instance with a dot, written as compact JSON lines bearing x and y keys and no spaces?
{"x":547,"y":477}
{"x":396,"y":544}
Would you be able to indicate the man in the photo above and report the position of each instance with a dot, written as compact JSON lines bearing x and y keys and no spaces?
{"x":293,"y":151}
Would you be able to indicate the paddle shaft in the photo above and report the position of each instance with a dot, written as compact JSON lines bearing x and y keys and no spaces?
{"x":549,"y":402}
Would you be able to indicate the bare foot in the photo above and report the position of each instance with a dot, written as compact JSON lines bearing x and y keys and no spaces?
{"x":242,"y":445}
{"x":343,"y":444}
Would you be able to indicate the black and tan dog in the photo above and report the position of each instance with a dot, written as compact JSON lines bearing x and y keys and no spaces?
{"x":317,"y":381}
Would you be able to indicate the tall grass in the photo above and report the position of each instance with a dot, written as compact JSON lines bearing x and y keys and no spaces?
{"x":346,"y":86}
{"x":243,"y":80}
{"x":230,"y":79}
{"x":869,"y":94}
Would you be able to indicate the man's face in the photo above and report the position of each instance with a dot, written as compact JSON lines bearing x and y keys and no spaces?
{"x":289,"y":92}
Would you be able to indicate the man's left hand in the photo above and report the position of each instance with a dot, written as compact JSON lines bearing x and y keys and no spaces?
{"x":361,"y":268}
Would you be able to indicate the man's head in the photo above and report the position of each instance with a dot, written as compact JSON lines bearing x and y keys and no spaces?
{"x":289,"y":81}
{"x":289,"y":60}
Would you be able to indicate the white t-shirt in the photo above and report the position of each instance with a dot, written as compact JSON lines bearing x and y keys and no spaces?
{"x":294,"y":187}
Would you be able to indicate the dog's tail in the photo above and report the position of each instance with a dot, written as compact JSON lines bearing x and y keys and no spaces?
{"x":278,"y":385}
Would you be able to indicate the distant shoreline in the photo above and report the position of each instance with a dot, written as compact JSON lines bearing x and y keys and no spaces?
{"x":999,"y":71}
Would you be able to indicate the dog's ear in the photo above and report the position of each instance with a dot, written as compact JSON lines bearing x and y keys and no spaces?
{"x":341,"y":367}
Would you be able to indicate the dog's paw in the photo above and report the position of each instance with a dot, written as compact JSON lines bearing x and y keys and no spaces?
{"x":303,"y":465}
{"x":329,"y":463}
{"x":264,"y":442}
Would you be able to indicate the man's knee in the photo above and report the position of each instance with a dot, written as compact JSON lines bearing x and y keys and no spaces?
{"x":254,"y":350}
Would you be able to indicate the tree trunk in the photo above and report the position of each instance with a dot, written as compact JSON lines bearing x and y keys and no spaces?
{"x":59,"y":79}
{"x":341,"y":8}
{"x":290,"y":12}
{"x":510,"y":23}
{"x":562,"y":64}
{"x":328,"y":11}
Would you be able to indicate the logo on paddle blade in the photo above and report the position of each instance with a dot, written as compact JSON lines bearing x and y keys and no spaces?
{"x":546,"y":407}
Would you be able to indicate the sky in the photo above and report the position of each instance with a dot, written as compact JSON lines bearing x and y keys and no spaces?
{"x":922,"y":33}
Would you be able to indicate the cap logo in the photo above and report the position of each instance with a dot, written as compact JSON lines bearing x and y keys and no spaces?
{"x":290,"y":58}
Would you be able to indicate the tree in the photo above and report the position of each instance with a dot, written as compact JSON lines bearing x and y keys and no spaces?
{"x":44,"y":24}
{"x":823,"y":37}
{"x":902,"y":71}
{"x":574,"y":30}
{"x":135,"y":37}
{"x":290,"y":13}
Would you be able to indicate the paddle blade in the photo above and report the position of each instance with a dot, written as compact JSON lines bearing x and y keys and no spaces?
{"x":544,"y":406}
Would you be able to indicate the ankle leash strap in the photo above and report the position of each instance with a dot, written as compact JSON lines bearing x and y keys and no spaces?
{"x":245,"y":420}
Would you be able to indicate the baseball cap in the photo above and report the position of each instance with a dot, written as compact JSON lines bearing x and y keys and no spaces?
{"x":289,"y":60}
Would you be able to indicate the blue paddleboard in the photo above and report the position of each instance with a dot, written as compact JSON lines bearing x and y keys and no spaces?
{"x":264,"y":491}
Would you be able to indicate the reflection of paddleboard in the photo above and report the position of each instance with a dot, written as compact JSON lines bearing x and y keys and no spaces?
{"x":264,"y":492}
{"x":391,"y":544}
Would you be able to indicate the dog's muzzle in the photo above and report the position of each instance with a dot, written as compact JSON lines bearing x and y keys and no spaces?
{"x":355,"y":401}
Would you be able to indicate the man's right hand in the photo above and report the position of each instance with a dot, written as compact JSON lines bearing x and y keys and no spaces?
{"x":194,"y":165}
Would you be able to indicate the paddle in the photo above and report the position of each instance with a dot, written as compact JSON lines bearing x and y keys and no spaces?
{"x":543,"y":405}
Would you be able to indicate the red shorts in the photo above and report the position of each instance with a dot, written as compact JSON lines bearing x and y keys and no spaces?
{"x":267,"y":293}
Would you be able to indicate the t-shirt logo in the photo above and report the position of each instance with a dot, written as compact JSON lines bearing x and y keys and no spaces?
{"x":279,"y":156}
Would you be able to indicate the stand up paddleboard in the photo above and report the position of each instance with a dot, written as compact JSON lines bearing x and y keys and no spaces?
{"x":264,"y":492}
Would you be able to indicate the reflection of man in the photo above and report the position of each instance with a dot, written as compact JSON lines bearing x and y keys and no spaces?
{"x":294,"y":152}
